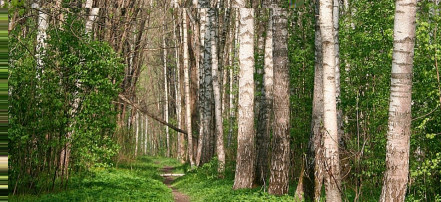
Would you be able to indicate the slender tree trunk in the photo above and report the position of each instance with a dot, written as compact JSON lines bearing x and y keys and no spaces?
{"x":165,"y":88}
{"x":181,"y":138}
{"x":398,"y":135}
{"x":187,"y":89}
{"x":208,"y":115}
{"x":244,"y":175}
{"x":330,"y":139}
{"x":217,"y":96}
{"x":264,"y":126}
{"x":314,"y":160}
{"x":232,"y":77}
{"x":336,"y":16}
{"x":202,"y":87}
{"x":41,"y":39}
{"x":91,"y":19}
{"x":279,"y":180}
{"x":136,"y":125}
{"x":146,"y":135}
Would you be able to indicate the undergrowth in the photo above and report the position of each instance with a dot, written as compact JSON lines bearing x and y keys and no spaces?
{"x":203,"y":184}
{"x":130,"y":181}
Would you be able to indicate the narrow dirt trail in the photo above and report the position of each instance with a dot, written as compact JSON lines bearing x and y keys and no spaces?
{"x":168,"y":180}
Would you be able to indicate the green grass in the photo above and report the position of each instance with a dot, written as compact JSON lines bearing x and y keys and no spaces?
{"x":135,"y":181}
{"x":202,"y":184}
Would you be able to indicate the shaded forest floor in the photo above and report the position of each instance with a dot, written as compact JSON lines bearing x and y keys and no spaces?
{"x":203,"y":184}
{"x":139,"y":180}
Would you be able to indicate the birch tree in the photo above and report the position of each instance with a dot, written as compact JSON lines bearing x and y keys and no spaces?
{"x":202,"y":86}
{"x":136,"y":125}
{"x":91,"y":19}
{"x":217,"y":96}
{"x":165,"y":87}
{"x":336,"y":17}
{"x":187,"y":89}
{"x":41,"y":38}
{"x":181,"y":138}
{"x":244,"y":175}
{"x":279,"y":180}
{"x":398,"y":134}
{"x":330,"y":136}
{"x":314,"y":160}
{"x":264,"y":127}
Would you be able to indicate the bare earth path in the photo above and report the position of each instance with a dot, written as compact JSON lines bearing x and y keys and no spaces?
{"x":168,"y":180}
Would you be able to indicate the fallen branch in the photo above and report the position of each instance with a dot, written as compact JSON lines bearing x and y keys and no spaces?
{"x":145,"y":112}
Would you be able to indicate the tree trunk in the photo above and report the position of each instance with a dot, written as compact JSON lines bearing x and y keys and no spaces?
{"x":233,"y":77}
{"x":181,"y":138}
{"x":146,"y":127}
{"x":330,"y":139}
{"x":202,"y":87}
{"x":279,"y":180}
{"x":264,"y":126}
{"x":187,"y":89}
{"x":208,"y":119}
{"x":41,"y":40}
{"x":167,"y":135}
{"x":244,"y":175}
{"x":217,"y":97}
{"x":136,"y":125}
{"x":398,"y":135}
{"x":91,"y":19}
{"x":336,"y":16}
{"x":314,"y":160}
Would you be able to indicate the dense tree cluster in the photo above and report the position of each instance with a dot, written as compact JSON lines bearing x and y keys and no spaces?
{"x":344,"y":95}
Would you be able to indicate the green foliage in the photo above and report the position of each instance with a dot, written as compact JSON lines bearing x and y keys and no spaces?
{"x":301,"y":66}
{"x":136,"y":181}
{"x":425,"y":166}
{"x":71,"y":93}
{"x":366,"y":59}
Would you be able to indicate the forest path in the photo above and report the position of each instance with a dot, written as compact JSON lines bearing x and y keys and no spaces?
{"x":167,"y":174}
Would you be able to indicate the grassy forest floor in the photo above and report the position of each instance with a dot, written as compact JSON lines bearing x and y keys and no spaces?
{"x":140,"y":180}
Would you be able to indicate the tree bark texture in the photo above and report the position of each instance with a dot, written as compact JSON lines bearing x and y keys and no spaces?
{"x":398,"y":134}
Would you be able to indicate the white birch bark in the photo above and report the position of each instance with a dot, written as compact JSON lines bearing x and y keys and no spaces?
{"x":167,"y":134}
{"x":91,"y":19}
{"x":398,"y":134}
{"x":181,"y":138}
{"x":88,"y":4}
{"x":244,"y":175}
{"x":330,"y":139}
{"x":217,"y":97}
{"x":187,"y":89}
{"x":41,"y":39}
